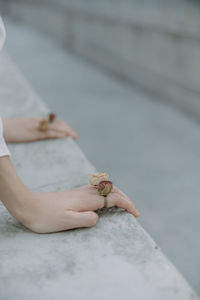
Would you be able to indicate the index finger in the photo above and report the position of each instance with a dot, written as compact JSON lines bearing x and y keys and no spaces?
{"x":93,"y":201}
{"x":60,"y":125}
{"x":124,"y":202}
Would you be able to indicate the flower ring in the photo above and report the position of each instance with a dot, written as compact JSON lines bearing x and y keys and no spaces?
{"x":44,"y":124}
{"x":101,"y":182}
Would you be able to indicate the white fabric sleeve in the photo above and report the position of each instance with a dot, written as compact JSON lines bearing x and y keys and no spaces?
{"x":3,"y":148}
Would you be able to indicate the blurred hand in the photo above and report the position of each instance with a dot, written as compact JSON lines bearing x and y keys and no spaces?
{"x":26,"y":130}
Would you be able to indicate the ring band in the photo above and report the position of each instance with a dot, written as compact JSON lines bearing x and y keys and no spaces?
{"x":105,"y":201}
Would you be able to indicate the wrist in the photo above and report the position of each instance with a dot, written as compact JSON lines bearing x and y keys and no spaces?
{"x":13,"y":193}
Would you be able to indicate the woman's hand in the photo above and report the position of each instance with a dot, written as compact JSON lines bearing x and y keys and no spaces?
{"x":26,"y":130}
{"x":56,"y":211}
{"x":63,"y":210}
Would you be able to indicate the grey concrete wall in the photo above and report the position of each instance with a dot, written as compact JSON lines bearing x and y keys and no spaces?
{"x":155,"y":44}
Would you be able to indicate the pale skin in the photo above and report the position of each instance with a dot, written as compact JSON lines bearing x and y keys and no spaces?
{"x":26,"y":130}
{"x":55,"y":211}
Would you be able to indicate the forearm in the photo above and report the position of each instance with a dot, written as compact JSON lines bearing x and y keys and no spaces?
{"x":12,"y":191}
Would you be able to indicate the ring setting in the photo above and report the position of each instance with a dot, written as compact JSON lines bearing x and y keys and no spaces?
{"x":104,"y":186}
{"x":44,"y":124}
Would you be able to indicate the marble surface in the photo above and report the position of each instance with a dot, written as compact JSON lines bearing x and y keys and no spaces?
{"x":114,"y":259}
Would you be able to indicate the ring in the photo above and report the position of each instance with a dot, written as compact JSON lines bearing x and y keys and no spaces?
{"x":44,"y":124}
{"x":51,"y":117}
{"x":101,"y":182}
{"x":106,"y":201}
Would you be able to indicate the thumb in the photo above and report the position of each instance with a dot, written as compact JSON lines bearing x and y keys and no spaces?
{"x":82,"y":219}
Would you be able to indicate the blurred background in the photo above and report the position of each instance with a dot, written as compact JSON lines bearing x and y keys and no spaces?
{"x":125,"y":74}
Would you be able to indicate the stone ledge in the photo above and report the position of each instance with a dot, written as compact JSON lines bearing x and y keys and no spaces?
{"x":114,"y":259}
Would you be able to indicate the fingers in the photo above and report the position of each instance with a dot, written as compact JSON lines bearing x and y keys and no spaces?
{"x":80,"y":219}
{"x":57,"y":129}
{"x":88,"y":198}
{"x":125,"y":203}
{"x":116,"y":197}
{"x":63,"y":127}
{"x":53,"y":134}
{"x":82,"y":200}
{"x":123,"y":199}
{"x":50,"y":134}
